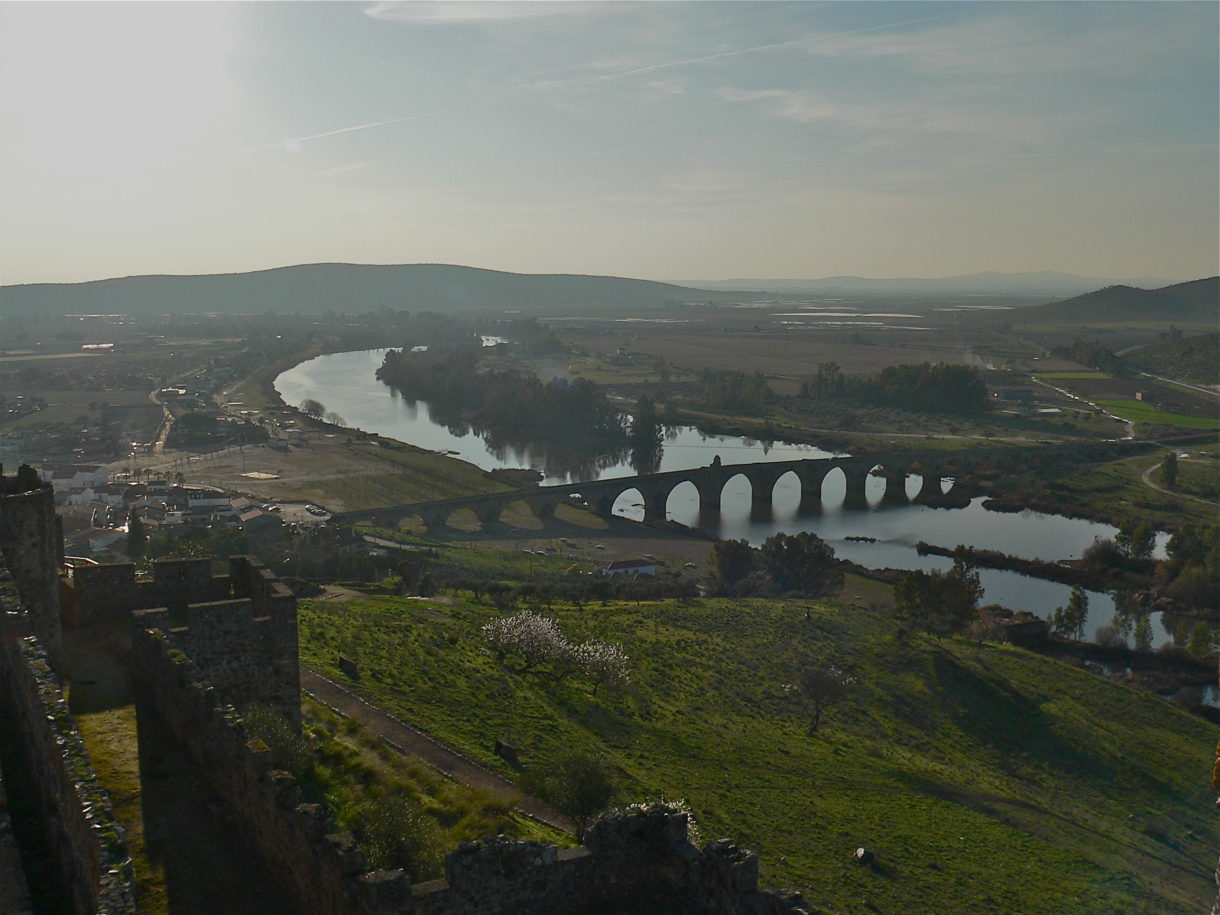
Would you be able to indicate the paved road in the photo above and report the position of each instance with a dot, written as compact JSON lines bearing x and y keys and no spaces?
{"x":417,"y":743}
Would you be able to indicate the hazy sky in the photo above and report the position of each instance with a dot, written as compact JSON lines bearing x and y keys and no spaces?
{"x":659,"y":140}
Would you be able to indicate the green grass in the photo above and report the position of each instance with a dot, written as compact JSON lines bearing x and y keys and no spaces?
{"x":355,"y":772}
{"x":987,"y":779}
{"x":1069,"y":376}
{"x":1112,"y":492}
{"x":1140,"y":412}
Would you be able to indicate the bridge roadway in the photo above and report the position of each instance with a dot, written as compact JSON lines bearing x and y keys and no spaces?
{"x":654,"y":489}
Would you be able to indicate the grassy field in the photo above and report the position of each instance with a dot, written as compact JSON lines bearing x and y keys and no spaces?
{"x":1067,"y":376}
{"x":987,"y":779}
{"x":1113,"y":492}
{"x":1140,"y":412}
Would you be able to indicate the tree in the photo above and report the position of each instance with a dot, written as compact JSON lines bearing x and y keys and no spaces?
{"x":334,"y":418}
{"x":136,"y":537}
{"x":605,"y":663}
{"x":1143,"y":634}
{"x":1069,"y":621}
{"x":802,"y":562}
{"x":1169,"y":470}
{"x":731,"y":561}
{"x":579,"y":784}
{"x":822,"y":686}
{"x":535,"y":638}
{"x":1200,"y":644}
{"x":1136,"y":540}
{"x":313,"y":408}
{"x":939,"y":603}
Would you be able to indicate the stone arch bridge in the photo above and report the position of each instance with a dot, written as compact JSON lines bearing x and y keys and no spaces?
{"x":600,"y":495}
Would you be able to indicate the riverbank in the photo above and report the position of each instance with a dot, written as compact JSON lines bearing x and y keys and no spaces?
{"x":1067,"y":572}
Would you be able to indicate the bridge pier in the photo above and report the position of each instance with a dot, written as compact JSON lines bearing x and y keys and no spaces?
{"x":856,"y":477}
{"x":709,"y":496}
{"x":603,"y":506}
{"x":433,"y":518}
{"x":544,"y":508}
{"x":930,"y":488}
{"x":489,"y":514}
{"x":895,"y":487}
{"x":654,"y":506}
{"x":811,"y":489}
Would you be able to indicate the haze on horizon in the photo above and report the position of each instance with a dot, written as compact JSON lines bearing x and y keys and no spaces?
{"x":654,"y":140}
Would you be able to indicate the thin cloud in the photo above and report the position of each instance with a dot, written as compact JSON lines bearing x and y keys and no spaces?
{"x":458,"y":11}
{"x":808,"y":108}
{"x":294,"y":143}
{"x":807,"y":40}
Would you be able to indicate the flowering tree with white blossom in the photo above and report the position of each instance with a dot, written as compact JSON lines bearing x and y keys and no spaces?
{"x":537,"y":639}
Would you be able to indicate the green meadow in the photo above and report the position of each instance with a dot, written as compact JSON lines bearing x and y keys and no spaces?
{"x":986,"y":778}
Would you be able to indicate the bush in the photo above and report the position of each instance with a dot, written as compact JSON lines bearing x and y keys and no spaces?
{"x":395,"y":832}
{"x":289,"y":751}
{"x":580,"y":785}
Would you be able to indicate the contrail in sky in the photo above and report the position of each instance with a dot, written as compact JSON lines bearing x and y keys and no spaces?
{"x":587,"y":81}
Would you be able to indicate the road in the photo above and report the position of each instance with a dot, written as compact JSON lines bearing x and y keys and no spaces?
{"x":416,"y":743}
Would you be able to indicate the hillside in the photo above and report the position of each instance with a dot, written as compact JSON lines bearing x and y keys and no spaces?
{"x":1194,"y":358}
{"x":1184,"y":303}
{"x":317,"y":288}
{"x":986,"y":778}
{"x":1044,"y":283}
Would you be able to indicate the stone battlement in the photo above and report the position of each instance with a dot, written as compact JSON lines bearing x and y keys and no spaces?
{"x":74,"y":814}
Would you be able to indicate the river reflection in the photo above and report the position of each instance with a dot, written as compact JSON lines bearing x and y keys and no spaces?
{"x":346,"y":384}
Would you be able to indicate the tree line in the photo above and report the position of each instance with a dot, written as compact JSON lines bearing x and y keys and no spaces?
{"x":511,"y":401}
{"x":926,"y":387}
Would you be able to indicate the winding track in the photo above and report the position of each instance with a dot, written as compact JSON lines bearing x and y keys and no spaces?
{"x":412,"y":741}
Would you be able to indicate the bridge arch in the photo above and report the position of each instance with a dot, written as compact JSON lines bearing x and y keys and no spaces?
{"x":631,"y":503}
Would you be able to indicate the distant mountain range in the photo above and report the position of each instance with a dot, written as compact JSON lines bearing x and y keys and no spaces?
{"x":1046,"y":283}
{"x":1195,"y":302}
{"x":317,"y":288}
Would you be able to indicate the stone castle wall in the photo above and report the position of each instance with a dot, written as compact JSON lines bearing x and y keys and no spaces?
{"x":75,"y":816}
{"x":106,"y":593}
{"x":320,"y":867}
{"x":31,"y":538}
{"x":240,"y":629}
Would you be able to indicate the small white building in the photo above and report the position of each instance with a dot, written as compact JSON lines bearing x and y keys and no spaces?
{"x":631,"y":567}
{"x":69,"y":478}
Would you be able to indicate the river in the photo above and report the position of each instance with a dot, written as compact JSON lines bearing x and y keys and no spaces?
{"x":346,"y":384}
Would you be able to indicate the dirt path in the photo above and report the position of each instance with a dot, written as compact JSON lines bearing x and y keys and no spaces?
{"x":1146,"y":476}
{"x":409,"y":740}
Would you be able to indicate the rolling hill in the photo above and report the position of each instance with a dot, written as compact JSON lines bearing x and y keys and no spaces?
{"x":1044,"y":283}
{"x":1194,"y":358}
{"x":316,"y":288}
{"x":1196,"y":302}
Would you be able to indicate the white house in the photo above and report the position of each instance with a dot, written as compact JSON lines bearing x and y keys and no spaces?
{"x":631,"y":567}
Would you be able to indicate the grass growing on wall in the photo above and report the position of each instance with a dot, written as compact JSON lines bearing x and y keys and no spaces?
{"x":987,"y":779}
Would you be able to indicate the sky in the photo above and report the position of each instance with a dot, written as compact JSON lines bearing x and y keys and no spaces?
{"x":658,"y":140}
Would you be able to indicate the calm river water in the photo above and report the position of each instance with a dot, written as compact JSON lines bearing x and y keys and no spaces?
{"x":346,"y":384}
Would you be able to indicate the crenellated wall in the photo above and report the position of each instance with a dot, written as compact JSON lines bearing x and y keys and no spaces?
{"x":320,"y":867}
{"x":106,"y":593}
{"x":239,"y":629}
{"x":75,"y":815}
{"x":31,"y":537}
